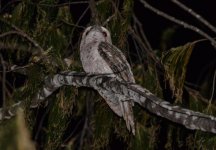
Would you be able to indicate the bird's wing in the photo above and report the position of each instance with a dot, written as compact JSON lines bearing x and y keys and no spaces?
{"x":116,"y":61}
{"x":119,"y":65}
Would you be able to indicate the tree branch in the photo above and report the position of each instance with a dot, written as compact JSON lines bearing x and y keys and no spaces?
{"x":194,"y":14}
{"x":179,"y":22}
{"x":108,"y":86}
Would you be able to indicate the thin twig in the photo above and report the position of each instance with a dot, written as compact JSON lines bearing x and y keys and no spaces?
{"x":137,"y":50}
{"x":22,"y":34}
{"x":71,"y":134}
{"x":60,"y":5}
{"x":15,"y":68}
{"x":213,"y":88}
{"x":196,"y":15}
{"x":108,"y":20}
{"x":77,"y":23}
{"x":179,"y":22}
{"x":9,"y":33}
{"x":3,"y":81}
{"x":80,"y":18}
{"x":20,"y":69}
{"x":83,"y":133}
{"x":15,"y":46}
{"x":196,"y":94}
{"x":137,"y":47}
{"x":139,"y":40}
{"x":40,"y":125}
{"x":94,"y":12}
{"x":35,"y":43}
{"x":149,"y":52}
{"x":142,"y":33}
{"x":89,"y":104}
{"x":74,"y":25}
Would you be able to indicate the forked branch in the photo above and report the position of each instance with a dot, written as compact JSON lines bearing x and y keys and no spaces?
{"x":108,"y":85}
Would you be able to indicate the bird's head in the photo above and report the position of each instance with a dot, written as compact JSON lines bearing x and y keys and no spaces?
{"x":95,"y":34}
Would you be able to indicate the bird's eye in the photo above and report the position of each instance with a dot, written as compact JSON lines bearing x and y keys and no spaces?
{"x":104,"y":33}
{"x":87,"y":32}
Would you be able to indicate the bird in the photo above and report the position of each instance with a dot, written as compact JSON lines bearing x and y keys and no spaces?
{"x":99,"y":56}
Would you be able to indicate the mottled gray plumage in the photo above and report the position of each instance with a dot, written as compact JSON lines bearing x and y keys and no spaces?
{"x":99,"y":56}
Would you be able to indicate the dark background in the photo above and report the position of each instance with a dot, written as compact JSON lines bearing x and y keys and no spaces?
{"x":204,"y":55}
{"x":203,"y":59}
{"x":154,"y":26}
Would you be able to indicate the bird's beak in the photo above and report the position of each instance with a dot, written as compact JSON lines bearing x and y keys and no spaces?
{"x":96,"y":28}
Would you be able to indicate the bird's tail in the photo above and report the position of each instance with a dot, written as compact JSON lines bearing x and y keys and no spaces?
{"x":127,"y":112}
{"x":121,"y":106}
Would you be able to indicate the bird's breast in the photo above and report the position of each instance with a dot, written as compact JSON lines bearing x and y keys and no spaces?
{"x":92,"y":62}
